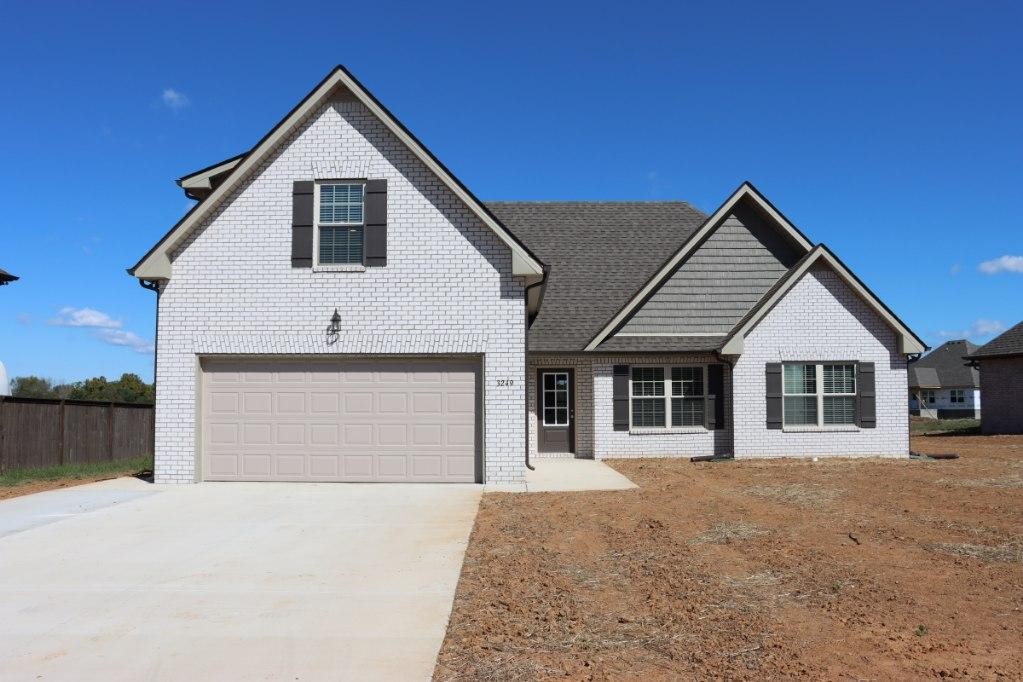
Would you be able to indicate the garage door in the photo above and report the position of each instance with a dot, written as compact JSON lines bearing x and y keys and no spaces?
{"x":357,"y":420}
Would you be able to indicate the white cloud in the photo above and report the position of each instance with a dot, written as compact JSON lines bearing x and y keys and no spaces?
{"x":118,"y":337}
{"x":85,"y":317}
{"x":979,"y":329}
{"x":174,"y":99}
{"x":1002,"y":264}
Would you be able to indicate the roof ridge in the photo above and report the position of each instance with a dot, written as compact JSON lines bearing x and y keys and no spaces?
{"x":590,"y":201}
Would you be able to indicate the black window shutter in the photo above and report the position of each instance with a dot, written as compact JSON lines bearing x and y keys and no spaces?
{"x":716,"y":396}
{"x":774,"y":396}
{"x":376,"y":223}
{"x":620,"y":375}
{"x":302,"y":224}
{"x":866,"y":401}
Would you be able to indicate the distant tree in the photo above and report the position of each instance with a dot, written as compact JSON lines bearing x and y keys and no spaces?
{"x":33,"y":387}
{"x":128,"y":389}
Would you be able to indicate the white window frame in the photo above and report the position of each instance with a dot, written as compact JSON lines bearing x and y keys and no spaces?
{"x":820,"y":395}
{"x":317,"y":224}
{"x":927,"y":396}
{"x":957,"y":396}
{"x":568,"y":399}
{"x":666,"y":381}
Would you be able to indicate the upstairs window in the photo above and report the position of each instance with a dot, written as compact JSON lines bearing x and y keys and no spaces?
{"x":340,"y":223}
{"x":819,"y":394}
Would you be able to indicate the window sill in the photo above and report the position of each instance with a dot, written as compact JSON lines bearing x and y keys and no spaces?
{"x":844,"y":428}
{"x":655,"y":430}
{"x":339,"y":268}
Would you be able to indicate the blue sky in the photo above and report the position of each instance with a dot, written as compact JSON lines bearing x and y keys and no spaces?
{"x":889,"y":131}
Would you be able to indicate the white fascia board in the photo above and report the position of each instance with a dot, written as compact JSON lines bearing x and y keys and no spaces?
{"x":746,"y":190}
{"x":523,"y":263}
{"x":202,"y":179}
{"x":907,"y":342}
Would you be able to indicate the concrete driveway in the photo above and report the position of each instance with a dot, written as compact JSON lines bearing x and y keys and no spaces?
{"x":124,"y":580}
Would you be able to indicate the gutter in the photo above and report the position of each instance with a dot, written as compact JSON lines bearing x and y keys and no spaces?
{"x":525,"y":385}
{"x":154,"y":285}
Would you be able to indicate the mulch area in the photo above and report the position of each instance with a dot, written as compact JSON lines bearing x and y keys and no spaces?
{"x":841,"y":569}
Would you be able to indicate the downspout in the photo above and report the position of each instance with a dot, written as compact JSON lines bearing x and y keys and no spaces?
{"x":525,"y":385}
{"x":154,"y":285}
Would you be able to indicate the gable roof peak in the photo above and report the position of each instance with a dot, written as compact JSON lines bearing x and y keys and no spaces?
{"x":744,"y":192}
{"x":156,"y":263}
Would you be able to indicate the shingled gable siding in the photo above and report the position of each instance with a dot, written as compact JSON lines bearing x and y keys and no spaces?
{"x":820,"y":318}
{"x":720,"y":281}
{"x":611,"y":444}
{"x":446,"y":287}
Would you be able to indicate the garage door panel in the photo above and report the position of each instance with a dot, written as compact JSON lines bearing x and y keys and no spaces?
{"x":256,"y":465}
{"x":340,"y":420}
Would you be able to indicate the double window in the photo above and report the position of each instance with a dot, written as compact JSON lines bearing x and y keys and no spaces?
{"x":957,"y":395}
{"x":340,"y":223}
{"x":819,"y":394}
{"x":927,"y":395}
{"x":668,"y":397}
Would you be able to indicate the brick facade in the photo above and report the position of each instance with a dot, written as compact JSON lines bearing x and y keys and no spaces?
{"x":821,"y":318}
{"x":447,"y":287}
{"x":1001,"y":383}
{"x":595,"y":434}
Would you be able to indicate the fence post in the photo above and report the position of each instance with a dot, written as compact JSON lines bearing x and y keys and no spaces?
{"x":62,"y":439}
{"x":110,"y":431}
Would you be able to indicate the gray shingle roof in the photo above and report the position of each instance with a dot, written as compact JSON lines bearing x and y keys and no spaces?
{"x":677,"y":344}
{"x":599,"y":254}
{"x":1006,"y":344}
{"x":947,"y":362}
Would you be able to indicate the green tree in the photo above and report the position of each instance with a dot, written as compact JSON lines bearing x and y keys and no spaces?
{"x":33,"y":387}
{"x":128,"y":389}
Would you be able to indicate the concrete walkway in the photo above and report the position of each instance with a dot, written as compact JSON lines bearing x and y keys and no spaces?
{"x":566,"y":474}
{"x":124,"y":580}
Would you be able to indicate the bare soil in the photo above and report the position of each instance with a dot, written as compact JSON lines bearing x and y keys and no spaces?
{"x":840,"y":569}
{"x":30,"y":487}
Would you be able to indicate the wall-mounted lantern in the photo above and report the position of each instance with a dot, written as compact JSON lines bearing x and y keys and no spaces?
{"x":334,"y":330}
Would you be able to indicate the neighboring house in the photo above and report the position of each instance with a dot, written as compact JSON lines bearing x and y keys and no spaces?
{"x":1001,"y":379}
{"x":6,"y":277}
{"x":942,"y":385}
{"x":339,"y":307}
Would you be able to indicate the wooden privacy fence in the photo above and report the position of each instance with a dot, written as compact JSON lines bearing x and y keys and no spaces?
{"x":36,"y":432}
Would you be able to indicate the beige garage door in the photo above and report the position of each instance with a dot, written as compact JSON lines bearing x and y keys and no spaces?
{"x":336,"y":420}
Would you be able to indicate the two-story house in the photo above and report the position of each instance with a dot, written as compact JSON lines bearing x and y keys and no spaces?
{"x":339,"y":307}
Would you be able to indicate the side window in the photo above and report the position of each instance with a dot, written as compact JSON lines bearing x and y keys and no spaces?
{"x":647,"y":397}
{"x":819,"y":394}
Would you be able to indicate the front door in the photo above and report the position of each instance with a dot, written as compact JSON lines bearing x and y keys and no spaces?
{"x":556,"y":410}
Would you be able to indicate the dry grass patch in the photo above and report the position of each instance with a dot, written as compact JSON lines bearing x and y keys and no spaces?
{"x":1009,"y":552}
{"x":997,"y":482}
{"x":801,"y":494}
{"x":729,"y":531}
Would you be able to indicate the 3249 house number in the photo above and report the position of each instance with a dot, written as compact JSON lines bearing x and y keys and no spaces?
{"x":505,"y":382}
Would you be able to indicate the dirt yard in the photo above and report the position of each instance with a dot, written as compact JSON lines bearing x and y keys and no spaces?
{"x":850,"y":569}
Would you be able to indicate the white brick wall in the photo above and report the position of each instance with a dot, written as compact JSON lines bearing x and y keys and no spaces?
{"x":821,"y":319}
{"x":595,"y":434}
{"x":447,"y":286}
{"x":611,"y":444}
